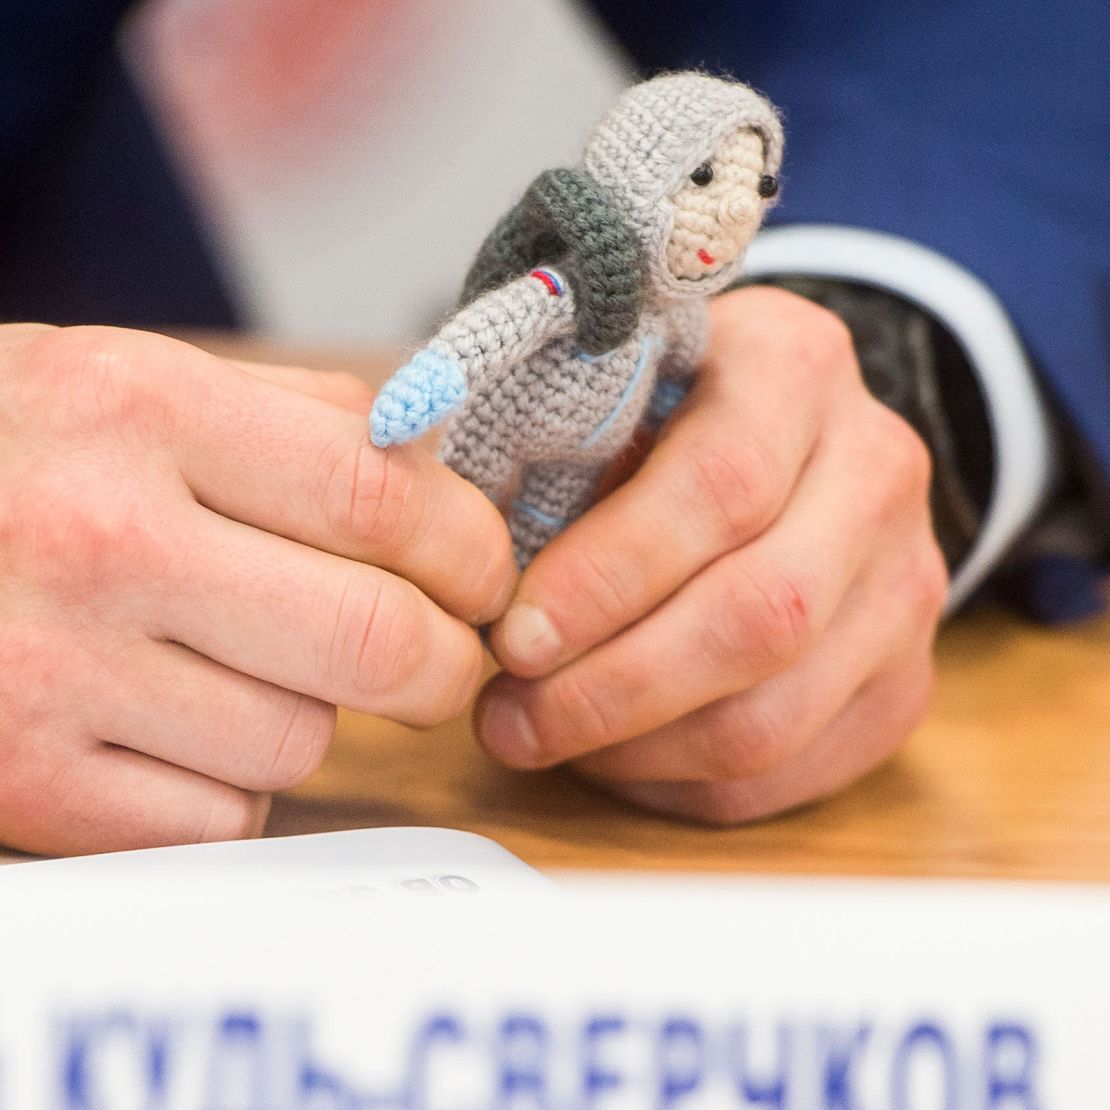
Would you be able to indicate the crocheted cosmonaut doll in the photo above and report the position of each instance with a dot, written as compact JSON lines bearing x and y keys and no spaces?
{"x":585,"y":312}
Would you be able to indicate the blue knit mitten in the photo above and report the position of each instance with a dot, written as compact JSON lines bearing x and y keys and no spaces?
{"x":416,"y":398}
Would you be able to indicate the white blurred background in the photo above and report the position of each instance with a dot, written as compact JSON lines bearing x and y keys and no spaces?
{"x":349,"y":157}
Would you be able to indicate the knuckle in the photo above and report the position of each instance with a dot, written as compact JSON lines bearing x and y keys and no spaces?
{"x":926,"y":584}
{"x":370,"y":494}
{"x":301,"y":744}
{"x":766,"y":618}
{"x":782,"y":619}
{"x":78,"y":537}
{"x":103,"y":376}
{"x":351,"y":479}
{"x":585,"y":705}
{"x":738,"y":488}
{"x":746,"y":737}
{"x":378,"y":640}
{"x":811,"y":341}
{"x":725,"y":639}
{"x":821,"y":341}
{"x":892,"y":466}
{"x":901,"y":454}
{"x":613,"y":586}
{"x":912,"y":459}
{"x":830,"y":335}
{"x":74,"y":351}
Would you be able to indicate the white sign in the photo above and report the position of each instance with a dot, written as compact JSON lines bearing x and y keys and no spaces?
{"x":287,"y":989}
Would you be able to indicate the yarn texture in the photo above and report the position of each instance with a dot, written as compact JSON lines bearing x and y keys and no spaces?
{"x":585,"y":311}
{"x":417,"y":398}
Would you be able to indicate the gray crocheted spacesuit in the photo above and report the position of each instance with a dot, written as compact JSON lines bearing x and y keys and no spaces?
{"x":585,"y":311}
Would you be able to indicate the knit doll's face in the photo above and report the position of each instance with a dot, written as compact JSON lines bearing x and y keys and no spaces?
{"x":719,"y":207}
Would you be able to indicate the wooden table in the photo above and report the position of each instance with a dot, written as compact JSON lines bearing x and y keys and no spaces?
{"x":1008,"y":778}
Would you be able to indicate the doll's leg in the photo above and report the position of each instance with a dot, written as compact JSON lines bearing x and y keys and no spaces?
{"x":482,"y":460}
{"x":551,"y":495}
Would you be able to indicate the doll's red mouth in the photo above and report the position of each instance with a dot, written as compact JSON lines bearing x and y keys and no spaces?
{"x":706,"y":257}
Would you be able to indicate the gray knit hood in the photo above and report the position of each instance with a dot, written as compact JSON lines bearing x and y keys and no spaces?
{"x":650,"y":141}
{"x":606,"y":223}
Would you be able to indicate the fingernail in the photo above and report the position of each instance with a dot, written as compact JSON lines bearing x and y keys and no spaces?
{"x":507,"y":732}
{"x":529,"y":637}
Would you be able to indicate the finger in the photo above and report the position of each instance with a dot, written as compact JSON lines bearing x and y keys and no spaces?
{"x":299,"y":467}
{"x":760,"y":728}
{"x":179,"y":707}
{"x":334,"y":386}
{"x":720,"y":474}
{"x":749,"y":615}
{"x":13,"y":335}
{"x":109,"y":799}
{"x":870,"y":729}
{"x":336,"y":630}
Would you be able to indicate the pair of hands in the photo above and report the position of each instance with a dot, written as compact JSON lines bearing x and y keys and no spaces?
{"x":199,"y":559}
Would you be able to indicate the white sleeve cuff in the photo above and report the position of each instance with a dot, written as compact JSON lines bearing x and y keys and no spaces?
{"x":1024,"y":450}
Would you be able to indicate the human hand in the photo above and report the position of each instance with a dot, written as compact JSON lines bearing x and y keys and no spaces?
{"x":196,"y":563}
{"x":746,"y":624}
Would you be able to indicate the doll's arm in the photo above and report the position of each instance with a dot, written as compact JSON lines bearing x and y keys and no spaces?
{"x":687,"y":329}
{"x":478,"y":343}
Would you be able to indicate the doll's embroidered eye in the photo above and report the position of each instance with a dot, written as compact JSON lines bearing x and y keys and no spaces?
{"x":768,"y":186}
{"x":702,"y":175}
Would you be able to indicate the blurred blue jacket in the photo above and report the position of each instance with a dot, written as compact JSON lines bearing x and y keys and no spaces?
{"x":94,"y":226}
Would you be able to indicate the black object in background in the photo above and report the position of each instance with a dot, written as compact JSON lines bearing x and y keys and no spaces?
{"x":94,"y":227}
